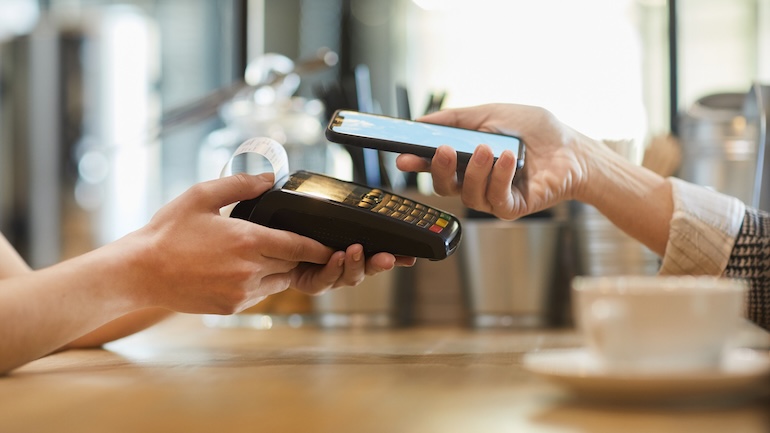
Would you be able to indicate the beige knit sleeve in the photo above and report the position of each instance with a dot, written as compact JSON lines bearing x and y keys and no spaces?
{"x":703,"y":230}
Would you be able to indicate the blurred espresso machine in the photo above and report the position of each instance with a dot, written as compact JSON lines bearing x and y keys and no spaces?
{"x":78,"y":104}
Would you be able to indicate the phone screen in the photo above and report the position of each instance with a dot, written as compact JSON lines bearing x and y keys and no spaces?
{"x":397,"y":130}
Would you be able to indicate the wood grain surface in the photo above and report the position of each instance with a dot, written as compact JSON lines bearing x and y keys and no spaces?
{"x":181,"y":376}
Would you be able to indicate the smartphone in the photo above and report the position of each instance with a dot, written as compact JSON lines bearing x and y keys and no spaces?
{"x":338,"y":214}
{"x":418,"y":138}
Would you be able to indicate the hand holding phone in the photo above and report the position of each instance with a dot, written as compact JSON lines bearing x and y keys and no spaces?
{"x":417,"y":138}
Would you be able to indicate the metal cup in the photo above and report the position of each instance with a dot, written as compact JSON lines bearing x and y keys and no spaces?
{"x":509,"y":271}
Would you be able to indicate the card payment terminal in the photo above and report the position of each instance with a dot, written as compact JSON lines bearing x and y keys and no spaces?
{"x":339,"y":213}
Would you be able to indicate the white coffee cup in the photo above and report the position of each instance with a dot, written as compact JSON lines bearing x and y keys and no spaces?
{"x":657,"y":324}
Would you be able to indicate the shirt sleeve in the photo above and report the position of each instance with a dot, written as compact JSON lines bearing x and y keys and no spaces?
{"x":703,"y":230}
{"x":716,"y":234}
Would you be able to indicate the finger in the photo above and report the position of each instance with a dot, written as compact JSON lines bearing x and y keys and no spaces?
{"x":406,"y":162}
{"x":355,"y":266}
{"x":380,"y":262}
{"x":217,"y":193}
{"x":252,"y":302}
{"x":474,"y":191}
{"x":270,"y":265}
{"x":402,"y":261}
{"x":285,"y":245}
{"x":315,"y":279}
{"x":272,"y":284}
{"x":449,"y":117}
{"x":499,"y":188}
{"x":444,"y":171}
{"x":468,"y":117}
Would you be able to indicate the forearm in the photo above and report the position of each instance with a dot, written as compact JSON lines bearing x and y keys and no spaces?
{"x":11,"y":263}
{"x":119,"y":328}
{"x":635,"y":199}
{"x":45,"y":310}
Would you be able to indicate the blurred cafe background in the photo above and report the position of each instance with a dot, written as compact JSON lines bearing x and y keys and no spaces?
{"x":111,"y":108}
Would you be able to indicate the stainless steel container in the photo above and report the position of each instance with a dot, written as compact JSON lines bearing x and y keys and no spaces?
{"x":371,"y":304}
{"x":510,"y":270}
{"x":603,"y":249}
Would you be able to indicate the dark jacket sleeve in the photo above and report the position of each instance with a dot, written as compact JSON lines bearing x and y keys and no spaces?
{"x":750,"y":260}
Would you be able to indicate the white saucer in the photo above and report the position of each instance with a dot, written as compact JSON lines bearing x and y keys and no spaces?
{"x":740,"y":374}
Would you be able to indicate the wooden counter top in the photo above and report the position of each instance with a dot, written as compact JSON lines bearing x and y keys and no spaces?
{"x":181,"y":376}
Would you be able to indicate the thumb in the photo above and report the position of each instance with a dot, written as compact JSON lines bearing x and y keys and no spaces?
{"x":228,"y":190}
{"x":442,"y":117}
{"x":449,"y":117}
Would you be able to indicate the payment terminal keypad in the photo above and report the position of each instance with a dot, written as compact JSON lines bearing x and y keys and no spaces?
{"x":403,"y":209}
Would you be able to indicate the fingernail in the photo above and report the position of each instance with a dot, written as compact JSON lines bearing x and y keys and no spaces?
{"x":480,"y":157}
{"x":506,"y":159}
{"x":267,"y":177}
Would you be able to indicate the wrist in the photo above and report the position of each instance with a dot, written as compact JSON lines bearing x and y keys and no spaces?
{"x":599,"y":166}
{"x":118,"y":270}
{"x":633,"y":198}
